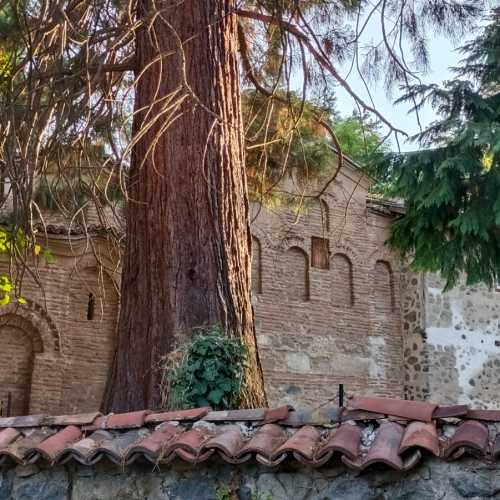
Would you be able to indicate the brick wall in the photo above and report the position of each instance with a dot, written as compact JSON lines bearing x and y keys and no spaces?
{"x":54,"y":358}
{"x":321,"y":325}
{"x":326,"y":299}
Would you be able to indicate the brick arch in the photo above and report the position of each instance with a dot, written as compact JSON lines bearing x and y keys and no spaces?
{"x":294,"y":279}
{"x":33,"y":316}
{"x":383,"y":286}
{"x":21,"y":342}
{"x":385,"y":255}
{"x":342,"y":290}
{"x":349,"y":252}
{"x":104,"y":265}
{"x":256,"y":265}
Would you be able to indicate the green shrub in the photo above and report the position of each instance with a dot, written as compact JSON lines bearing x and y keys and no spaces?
{"x":209,"y":372}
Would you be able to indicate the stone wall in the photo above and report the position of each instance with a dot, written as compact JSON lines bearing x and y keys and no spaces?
{"x":434,"y":479}
{"x":327,"y":319}
{"x":452,"y":342}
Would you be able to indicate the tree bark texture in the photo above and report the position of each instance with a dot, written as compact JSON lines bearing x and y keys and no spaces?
{"x":187,"y":258}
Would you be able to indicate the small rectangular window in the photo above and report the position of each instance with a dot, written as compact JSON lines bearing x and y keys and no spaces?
{"x":320,"y":253}
{"x":90,"y":307}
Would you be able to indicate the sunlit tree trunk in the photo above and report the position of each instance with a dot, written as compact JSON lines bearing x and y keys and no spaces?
{"x":187,"y":258}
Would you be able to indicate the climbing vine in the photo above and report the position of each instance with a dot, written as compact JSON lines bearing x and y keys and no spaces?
{"x":206,"y":372}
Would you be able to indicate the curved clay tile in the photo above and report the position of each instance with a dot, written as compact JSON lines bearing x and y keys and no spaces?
{"x":189,"y":444}
{"x":229,"y":441}
{"x":471,"y":435}
{"x":54,"y":446}
{"x":385,"y":450}
{"x":177,"y":415}
{"x":116,"y":447}
{"x":420,"y":435}
{"x":345,"y":440}
{"x":153,"y":445}
{"x":191,"y":457}
{"x":411,"y":410}
{"x":302,"y":444}
{"x":267,"y":439}
{"x":17,"y":450}
{"x":7,"y":436}
{"x":83,"y":451}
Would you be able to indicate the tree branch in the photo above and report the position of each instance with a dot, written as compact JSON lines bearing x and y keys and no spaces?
{"x":320,"y":59}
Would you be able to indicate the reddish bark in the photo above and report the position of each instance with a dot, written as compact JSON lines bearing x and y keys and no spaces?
{"x":187,"y":258}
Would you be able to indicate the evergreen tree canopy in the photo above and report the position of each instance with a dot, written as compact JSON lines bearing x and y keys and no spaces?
{"x":451,"y":188}
{"x":284,"y":135}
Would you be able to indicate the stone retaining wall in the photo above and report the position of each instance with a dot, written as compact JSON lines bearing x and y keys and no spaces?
{"x":434,"y":479}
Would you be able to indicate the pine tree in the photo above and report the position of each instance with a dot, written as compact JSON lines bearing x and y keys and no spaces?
{"x":452,"y":187}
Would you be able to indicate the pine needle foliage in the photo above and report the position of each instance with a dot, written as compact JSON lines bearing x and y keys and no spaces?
{"x":452,"y":188}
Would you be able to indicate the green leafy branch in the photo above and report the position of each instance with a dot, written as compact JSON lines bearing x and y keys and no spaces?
{"x":15,"y":243}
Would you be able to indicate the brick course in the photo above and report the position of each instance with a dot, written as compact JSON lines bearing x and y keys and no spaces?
{"x":320,"y":325}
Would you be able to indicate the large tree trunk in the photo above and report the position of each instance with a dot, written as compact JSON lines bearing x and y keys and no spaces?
{"x":187,"y":258}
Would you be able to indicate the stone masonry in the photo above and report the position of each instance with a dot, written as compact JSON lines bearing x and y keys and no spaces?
{"x":433,"y":479}
{"x":452,"y":342}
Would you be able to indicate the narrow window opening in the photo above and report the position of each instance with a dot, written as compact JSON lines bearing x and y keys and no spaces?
{"x":91,"y":307}
{"x":320,"y":253}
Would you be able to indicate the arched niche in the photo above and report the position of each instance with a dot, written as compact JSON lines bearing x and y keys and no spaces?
{"x":20,"y":342}
{"x":383,"y":287}
{"x":256,"y":266}
{"x":342,"y":281}
{"x":295,"y":277}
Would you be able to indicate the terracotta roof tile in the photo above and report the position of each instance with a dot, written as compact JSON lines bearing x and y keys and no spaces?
{"x":85,"y":450}
{"x":277,"y":414}
{"x":470,"y":436}
{"x":450,"y":411}
{"x":302,"y":444}
{"x":16,"y":450}
{"x":116,"y":447}
{"x":27,"y":421}
{"x":485,"y":415}
{"x":357,"y":415}
{"x":54,"y":446}
{"x":153,"y":445}
{"x":267,"y":439}
{"x":179,"y":415}
{"x":383,"y":431}
{"x":344,"y":440}
{"x":411,"y":410}
{"x":190,"y":442}
{"x":420,"y":435}
{"x":229,"y":441}
{"x":7,"y":436}
{"x":134,"y":419}
{"x":385,"y":449}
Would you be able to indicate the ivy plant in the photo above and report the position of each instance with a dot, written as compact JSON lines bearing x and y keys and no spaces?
{"x":209,"y":372}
